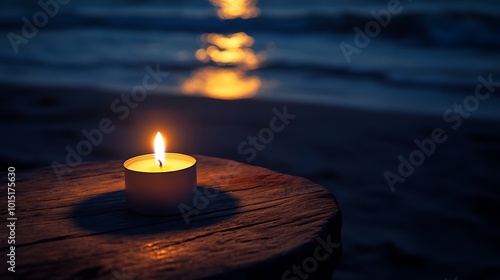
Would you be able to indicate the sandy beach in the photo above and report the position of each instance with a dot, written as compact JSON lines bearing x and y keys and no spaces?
{"x":442,"y":221}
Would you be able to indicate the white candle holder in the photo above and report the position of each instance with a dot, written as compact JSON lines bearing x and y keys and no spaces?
{"x":159,"y":191}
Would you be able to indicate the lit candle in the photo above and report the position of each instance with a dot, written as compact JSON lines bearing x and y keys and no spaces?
{"x":156,"y":184}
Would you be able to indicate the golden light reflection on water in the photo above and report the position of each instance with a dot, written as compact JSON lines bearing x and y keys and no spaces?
{"x":233,"y":51}
{"x":222,"y":83}
{"x":231,"y":9}
{"x":233,"y":41}
{"x":228,"y":82}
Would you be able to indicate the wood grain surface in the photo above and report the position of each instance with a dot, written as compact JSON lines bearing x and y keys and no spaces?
{"x":245,"y":222}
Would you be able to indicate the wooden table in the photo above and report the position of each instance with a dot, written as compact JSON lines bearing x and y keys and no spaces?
{"x":249,"y":223}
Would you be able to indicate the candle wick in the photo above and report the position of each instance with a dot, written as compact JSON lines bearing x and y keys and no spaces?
{"x":161,"y":164}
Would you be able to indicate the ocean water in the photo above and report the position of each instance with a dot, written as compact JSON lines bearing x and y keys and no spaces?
{"x":425,"y":59}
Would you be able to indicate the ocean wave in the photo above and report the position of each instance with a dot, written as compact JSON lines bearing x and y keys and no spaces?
{"x":400,"y":77}
{"x":451,"y":28}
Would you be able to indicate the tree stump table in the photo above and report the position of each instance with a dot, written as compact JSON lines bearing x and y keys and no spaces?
{"x":246,"y":222}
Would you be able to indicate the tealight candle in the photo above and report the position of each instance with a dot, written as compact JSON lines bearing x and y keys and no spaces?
{"x":155,"y":184}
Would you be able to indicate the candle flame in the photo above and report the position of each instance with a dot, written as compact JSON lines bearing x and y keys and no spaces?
{"x":159,"y":149}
